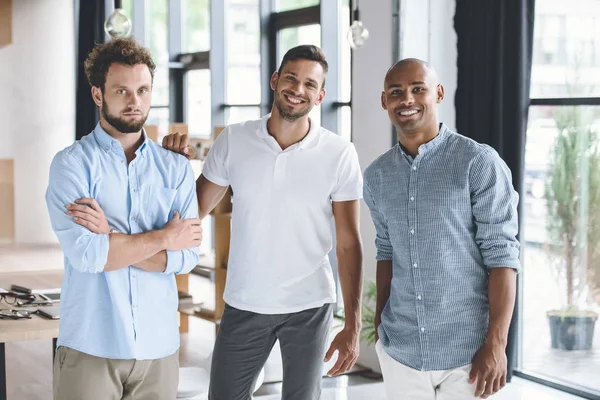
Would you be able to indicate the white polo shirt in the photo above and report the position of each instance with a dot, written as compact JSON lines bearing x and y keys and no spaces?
{"x":282,"y":217}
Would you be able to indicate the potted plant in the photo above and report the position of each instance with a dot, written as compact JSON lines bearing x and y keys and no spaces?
{"x":572,"y":196}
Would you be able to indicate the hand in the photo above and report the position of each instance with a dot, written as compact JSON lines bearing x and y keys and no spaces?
{"x":180,"y":144}
{"x":86,"y":212}
{"x":346,"y":343}
{"x":489,"y":370}
{"x":182,"y":234}
{"x":377,"y":323}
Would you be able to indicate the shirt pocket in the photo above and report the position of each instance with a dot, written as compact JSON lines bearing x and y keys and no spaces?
{"x":157,"y":203}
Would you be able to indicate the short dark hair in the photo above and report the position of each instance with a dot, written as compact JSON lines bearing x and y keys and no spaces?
{"x":122,"y":51}
{"x":305,"y":52}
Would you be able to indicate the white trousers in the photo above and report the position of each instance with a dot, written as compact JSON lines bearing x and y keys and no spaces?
{"x":404,"y":383}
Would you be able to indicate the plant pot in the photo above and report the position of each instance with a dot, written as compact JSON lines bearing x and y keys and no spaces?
{"x":572,"y":332}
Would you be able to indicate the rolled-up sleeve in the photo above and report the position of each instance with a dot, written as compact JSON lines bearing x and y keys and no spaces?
{"x":186,"y":203}
{"x":494,"y":203}
{"x":86,"y":251}
{"x":382,"y":239}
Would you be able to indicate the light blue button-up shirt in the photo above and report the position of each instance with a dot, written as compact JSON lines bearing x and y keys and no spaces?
{"x":444,"y":218}
{"x":129,"y":313}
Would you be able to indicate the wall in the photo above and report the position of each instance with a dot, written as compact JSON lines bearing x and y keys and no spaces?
{"x":427,"y":33}
{"x":37,"y":105}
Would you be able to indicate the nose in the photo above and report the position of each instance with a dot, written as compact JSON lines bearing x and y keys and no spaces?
{"x":134,"y":101}
{"x":407,"y":98}
{"x":297,"y":88}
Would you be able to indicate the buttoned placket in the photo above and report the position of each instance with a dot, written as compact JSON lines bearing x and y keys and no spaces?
{"x":134,"y":227}
{"x":414,"y":256}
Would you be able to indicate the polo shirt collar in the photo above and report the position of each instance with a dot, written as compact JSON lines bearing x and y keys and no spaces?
{"x":306,"y":143}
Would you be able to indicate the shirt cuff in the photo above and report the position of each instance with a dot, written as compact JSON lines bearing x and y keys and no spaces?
{"x":174,"y":262}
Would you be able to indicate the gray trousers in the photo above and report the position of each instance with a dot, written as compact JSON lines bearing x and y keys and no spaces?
{"x":245,"y":340}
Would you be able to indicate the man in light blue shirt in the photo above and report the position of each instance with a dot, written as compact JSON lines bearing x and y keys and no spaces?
{"x":126,"y":215}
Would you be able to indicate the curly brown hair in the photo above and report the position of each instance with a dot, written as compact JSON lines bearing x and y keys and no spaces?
{"x":123,"y":51}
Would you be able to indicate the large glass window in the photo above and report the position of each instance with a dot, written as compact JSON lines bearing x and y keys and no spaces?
{"x":561,"y":199}
{"x":199,"y":103}
{"x":196,"y":26}
{"x":243,"y":52}
{"x":286,"y":5}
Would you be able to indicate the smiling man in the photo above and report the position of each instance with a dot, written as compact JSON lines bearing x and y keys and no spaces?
{"x":291,"y":179}
{"x":115,"y":199}
{"x":445,"y":213}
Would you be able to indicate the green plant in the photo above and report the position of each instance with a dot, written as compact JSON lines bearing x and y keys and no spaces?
{"x":573,"y":202}
{"x":368,"y":312}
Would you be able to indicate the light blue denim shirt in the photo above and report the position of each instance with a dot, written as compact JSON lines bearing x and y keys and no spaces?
{"x":444,"y":218}
{"x":128,"y":313}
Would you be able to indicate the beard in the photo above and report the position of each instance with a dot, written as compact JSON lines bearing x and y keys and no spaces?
{"x":120,"y":124}
{"x":289,"y":115}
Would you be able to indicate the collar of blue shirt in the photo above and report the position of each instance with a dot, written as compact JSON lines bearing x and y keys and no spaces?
{"x":107,"y":142}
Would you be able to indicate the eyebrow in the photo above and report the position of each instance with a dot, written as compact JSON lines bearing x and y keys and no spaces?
{"x":309,"y":79}
{"x":397,"y":85}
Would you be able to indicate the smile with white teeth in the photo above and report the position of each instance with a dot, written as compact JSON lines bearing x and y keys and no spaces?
{"x":408,"y":113}
{"x":293,"y":100}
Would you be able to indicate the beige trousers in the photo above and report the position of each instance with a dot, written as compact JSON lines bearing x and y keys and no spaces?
{"x":404,"y":383}
{"x":80,"y":376}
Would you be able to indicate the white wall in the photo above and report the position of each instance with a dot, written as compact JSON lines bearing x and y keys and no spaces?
{"x":427,"y":33}
{"x":37,"y":105}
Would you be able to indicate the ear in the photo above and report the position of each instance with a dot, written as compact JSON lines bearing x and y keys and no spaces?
{"x":383,"y":101}
{"x":320,"y":97}
{"x":440,"y":93}
{"x":97,"y":95}
{"x":274,"y":80}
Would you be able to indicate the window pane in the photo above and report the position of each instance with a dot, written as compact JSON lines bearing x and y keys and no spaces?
{"x":196,"y":28}
{"x":286,"y":5}
{"x":345,"y":54}
{"x":128,"y":8}
{"x":240,"y":114}
{"x":199,"y":103}
{"x":345,"y":122}
{"x":566,"y":49}
{"x":291,"y":37}
{"x":243,"y":52}
{"x":157,"y":34}
{"x":561,"y":240}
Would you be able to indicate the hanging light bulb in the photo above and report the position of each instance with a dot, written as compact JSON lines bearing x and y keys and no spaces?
{"x":357,"y":34}
{"x":118,"y":25}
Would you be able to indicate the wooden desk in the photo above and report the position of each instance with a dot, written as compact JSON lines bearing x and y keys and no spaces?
{"x":26,"y":329}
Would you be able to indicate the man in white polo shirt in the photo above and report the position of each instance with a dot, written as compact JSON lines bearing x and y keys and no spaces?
{"x":290,"y":178}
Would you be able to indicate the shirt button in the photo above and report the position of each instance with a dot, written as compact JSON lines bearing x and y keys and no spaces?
{"x":415,"y":265}
{"x":412,"y":199}
{"x":419,"y":297}
{"x":122,"y":161}
{"x":422,"y":329}
{"x":134,"y":190}
{"x":414,"y":168}
{"x":133,"y":276}
{"x":412,"y":231}
{"x":136,"y":306}
{"x":133,"y":218}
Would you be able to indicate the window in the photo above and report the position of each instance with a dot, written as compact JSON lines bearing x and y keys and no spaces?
{"x":560,"y":339}
{"x":243,"y":52}
{"x":286,"y":5}
{"x":196,"y":26}
{"x":157,"y":43}
{"x":199,"y":103}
